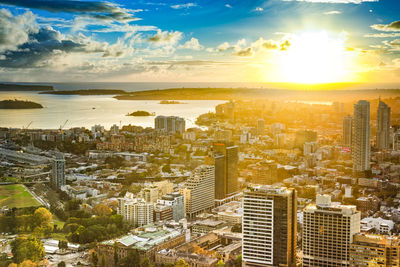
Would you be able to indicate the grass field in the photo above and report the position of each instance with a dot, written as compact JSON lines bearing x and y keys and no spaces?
{"x":16,"y":196}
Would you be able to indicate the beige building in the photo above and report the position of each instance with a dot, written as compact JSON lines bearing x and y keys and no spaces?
{"x":199,"y":191}
{"x":135,"y":210}
{"x":328,"y":231}
{"x":375,"y":250}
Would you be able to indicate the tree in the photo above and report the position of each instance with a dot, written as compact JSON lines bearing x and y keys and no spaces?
{"x":220,"y":263}
{"x":115,"y":253}
{"x":61,"y":264}
{"x":166,"y":168}
{"x":103,"y":261}
{"x":237,"y":228}
{"x":181,"y":263}
{"x":42,"y":217}
{"x":102,"y":210}
{"x":62,"y":244}
{"x":239,"y":261}
{"x":145,"y":263}
{"x":94,"y":259}
{"x":27,"y":248}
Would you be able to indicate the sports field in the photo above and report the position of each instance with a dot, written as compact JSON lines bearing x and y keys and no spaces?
{"x":16,"y":196}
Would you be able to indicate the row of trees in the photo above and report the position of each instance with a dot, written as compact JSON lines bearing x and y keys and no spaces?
{"x":37,"y":222}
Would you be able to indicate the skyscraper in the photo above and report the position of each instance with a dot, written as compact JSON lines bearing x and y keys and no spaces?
{"x":226,"y":161}
{"x":361,"y":137}
{"x":260,"y":127}
{"x":383,"y":126}
{"x":269,"y":226}
{"x":198,"y":191}
{"x":58,"y":171}
{"x":328,"y":231}
{"x":347,"y":131}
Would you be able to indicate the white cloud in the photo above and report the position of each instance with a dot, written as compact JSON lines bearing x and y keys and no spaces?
{"x":228,"y":6}
{"x":15,"y":30}
{"x":193,"y":44}
{"x":392,"y":27}
{"x":224,"y":46}
{"x":187,"y":5}
{"x":334,"y":1}
{"x":259,"y":9}
{"x":333,"y":12}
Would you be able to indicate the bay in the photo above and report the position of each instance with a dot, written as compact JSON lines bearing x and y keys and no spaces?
{"x":86,"y":111}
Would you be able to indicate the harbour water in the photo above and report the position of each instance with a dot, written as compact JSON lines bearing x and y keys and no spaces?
{"x":86,"y":111}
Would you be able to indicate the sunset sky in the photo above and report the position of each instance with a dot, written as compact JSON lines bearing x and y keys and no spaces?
{"x":304,"y":41}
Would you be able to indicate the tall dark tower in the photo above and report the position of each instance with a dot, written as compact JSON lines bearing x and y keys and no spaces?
{"x":226,"y":165}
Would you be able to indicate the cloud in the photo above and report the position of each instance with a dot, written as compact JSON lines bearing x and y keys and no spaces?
{"x":228,"y":6}
{"x":23,"y":44}
{"x":14,"y":30}
{"x":247,"y":52}
{"x":193,"y":44}
{"x":284,"y":45}
{"x":181,"y":6}
{"x":334,"y":1}
{"x":383,"y":35}
{"x":165,"y":37}
{"x":333,"y":12}
{"x":224,"y":46}
{"x":259,"y":9}
{"x":271,"y":44}
{"x":392,"y":27}
{"x":95,"y":9}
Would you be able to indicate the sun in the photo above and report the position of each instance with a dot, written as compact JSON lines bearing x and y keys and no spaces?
{"x":315,"y":57}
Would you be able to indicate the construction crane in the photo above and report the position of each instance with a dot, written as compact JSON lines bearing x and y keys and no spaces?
{"x":62,"y":126}
{"x":27,"y":126}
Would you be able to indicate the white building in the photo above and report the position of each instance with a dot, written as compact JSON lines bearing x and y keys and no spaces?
{"x":380,"y":225}
{"x":135,"y":210}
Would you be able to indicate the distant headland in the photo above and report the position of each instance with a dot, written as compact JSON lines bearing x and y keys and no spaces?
{"x":141,"y":113}
{"x":169,"y":102}
{"x":313,"y":93}
{"x":87,"y":92}
{"x":23,"y":87}
{"x":19,"y":104}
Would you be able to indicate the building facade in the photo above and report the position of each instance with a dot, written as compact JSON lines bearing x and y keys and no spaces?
{"x":361,"y":137}
{"x":135,"y":210}
{"x":58,"y":171}
{"x":226,"y":169}
{"x":375,"y":250}
{"x":198,"y":191}
{"x":269,"y":226}
{"x":347,"y":131}
{"x":170,"y":124}
{"x":328,"y":231}
{"x":383,"y":126}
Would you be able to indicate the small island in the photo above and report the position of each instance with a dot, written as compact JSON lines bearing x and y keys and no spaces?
{"x":141,"y":113}
{"x":24,"y":87}
{"x":168,"y":102}
{"x":87,"y":92}
{"x":19,"y":104}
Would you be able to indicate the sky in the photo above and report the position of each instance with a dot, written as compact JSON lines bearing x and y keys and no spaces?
{"x":286,"y":41}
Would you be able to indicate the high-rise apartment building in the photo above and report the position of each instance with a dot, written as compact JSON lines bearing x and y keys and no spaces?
{"x":375,"y":250}
{"x":58,"y":171}
{"x":198,"y":191}
{"x":135,"y":210}
{"x":170,"y":124}
{"x":383,"y":126}
{"x":266,"y":173}
{"x":269,"y":225}
{"x":328,"y":231}
{"x":260,"y":127}
{"x":226,"y":169}
{"x":361,"y":137}
{"x":347,"y":131}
